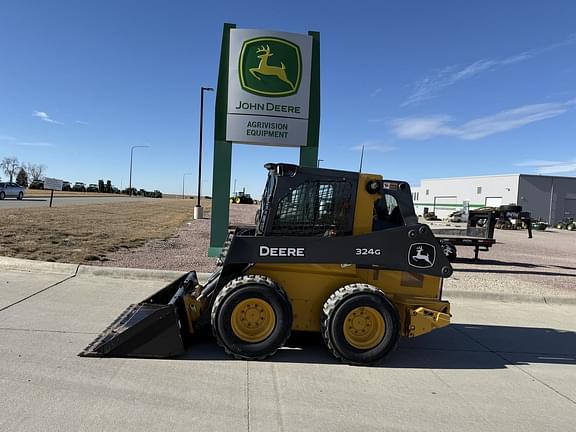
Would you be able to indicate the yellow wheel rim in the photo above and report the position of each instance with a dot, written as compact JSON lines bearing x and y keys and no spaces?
{"x":237,"y":200}
{"x":364,"y":327}
{"x":253,"y":320}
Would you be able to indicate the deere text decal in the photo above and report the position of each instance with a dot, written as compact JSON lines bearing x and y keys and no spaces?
{"x":268,"y":87}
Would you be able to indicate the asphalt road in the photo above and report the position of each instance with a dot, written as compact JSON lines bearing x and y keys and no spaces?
{"x":499,"y":367}
{"x":64,"y":201}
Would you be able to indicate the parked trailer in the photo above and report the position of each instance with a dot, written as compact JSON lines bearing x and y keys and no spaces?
{"x":479,"y":232}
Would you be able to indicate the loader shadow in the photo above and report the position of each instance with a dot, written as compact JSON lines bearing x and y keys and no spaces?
{"x":492,"y":262}
{"x":460,"y":346}
{"x":530,"y":269}
{"x":520,"y":272}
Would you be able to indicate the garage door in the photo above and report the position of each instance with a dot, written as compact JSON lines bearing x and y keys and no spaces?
{"x":444,"y":205}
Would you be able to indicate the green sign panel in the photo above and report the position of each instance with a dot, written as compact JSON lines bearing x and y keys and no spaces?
{"x":268,"y":93}
{"x":270,"y":66}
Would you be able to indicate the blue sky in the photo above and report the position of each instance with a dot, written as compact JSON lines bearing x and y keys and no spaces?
{"x":431,"y":89}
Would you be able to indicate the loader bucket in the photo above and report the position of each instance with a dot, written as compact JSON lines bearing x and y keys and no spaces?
{"x":149,"y":329}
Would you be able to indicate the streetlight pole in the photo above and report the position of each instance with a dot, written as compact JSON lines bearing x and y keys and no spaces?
{"x":198,"y":213}
{"x":131,"y":156}
{"x":184,"y":175}
{"x":318,"y":163}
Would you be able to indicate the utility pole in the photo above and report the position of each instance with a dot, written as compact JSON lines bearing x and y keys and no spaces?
{"x":198,"y":212}
{"x":183,"y":176}
{"x":131,"y":156}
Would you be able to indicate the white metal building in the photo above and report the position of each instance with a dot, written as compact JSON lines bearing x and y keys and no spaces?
{"x":549,"y":198}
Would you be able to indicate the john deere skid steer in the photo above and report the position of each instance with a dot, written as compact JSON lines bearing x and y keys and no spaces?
{"x":335,"y":252}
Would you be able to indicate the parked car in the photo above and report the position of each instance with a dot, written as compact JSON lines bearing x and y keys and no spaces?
{"x":66,"y":186}
{"x":92,"y":188}
{"x":36,"y":184}
{"x":11,"y":190}
{"x":79,"y":187}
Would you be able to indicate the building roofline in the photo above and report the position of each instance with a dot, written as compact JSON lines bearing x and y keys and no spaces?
{"x":548,"y":176}
{"x":472,"y":177}
{"x":496,"y":175}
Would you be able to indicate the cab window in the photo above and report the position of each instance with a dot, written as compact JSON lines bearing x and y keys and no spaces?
{"x":386,"y":213}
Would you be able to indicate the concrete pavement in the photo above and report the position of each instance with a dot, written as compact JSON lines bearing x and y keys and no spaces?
{"x":500,"y":366}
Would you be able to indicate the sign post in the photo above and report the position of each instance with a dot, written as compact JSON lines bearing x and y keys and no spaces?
{"x":52,"y":184}
{"x":268,"y":93}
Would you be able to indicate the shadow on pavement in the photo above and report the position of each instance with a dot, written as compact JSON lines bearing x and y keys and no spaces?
{"x":479,"y":267}
{"x":527,"y":272}
{"x":460,"y":346}
{"x":493,"y":262}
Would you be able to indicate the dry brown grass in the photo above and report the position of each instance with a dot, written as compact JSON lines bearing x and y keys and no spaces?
{"x":36,"y":193}
{"x":85,"y":233}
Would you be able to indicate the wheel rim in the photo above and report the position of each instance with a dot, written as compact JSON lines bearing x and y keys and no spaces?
{"x":237,"y":200}
{"x":364,"y":327}
{"x":253,"y":320}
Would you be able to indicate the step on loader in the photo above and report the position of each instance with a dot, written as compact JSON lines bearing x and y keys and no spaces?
{"x":335,"y":252}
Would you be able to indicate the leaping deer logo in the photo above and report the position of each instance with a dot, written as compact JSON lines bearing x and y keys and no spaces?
{"x":420,"y":256}
{"x":265,"y":69}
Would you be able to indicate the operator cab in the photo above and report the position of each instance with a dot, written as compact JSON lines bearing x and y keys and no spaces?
{"x":304,"y":201}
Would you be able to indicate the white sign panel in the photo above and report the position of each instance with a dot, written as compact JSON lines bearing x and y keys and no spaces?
{"x":268,"y":87}
{"x":52,"y":183}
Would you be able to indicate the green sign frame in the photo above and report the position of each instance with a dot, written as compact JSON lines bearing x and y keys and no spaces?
{"x":222,"y":164}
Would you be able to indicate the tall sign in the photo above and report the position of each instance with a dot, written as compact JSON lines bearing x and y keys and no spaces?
{"x":268,"y":88}
{"x":268,"y":93}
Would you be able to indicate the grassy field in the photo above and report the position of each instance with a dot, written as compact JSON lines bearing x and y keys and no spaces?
{"x":32,"y":193}
{"x":86,"y":233}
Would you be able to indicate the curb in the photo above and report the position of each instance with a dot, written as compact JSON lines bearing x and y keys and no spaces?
{"x":33,"y":266}
{"x":128,"y":273}
{"x":135,"y":273}
{"x":509,"y":298}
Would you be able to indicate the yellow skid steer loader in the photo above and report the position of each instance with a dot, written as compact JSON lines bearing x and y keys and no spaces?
{"x":335,"y":252}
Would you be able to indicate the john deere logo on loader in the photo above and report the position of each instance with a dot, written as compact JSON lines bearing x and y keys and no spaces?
{"x":270,"y":66}
{"x":421,"y":255}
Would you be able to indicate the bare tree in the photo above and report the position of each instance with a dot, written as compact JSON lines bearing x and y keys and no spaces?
{"x":10,"y":165}
{"x":35,"y":171}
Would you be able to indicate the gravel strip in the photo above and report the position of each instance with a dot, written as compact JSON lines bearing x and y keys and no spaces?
{"x":542,"y":266}
{"x":185,"y":251}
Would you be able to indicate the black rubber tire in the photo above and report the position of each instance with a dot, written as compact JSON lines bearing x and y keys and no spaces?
{"x":234,"y":292}
{"x":20,"y":196}
{"x":339,"y":305}
{"x":449,"y":250}
{"x":2,"y":195}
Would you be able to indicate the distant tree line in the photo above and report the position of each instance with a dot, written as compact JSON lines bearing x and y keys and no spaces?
{"x":25,"y":173}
